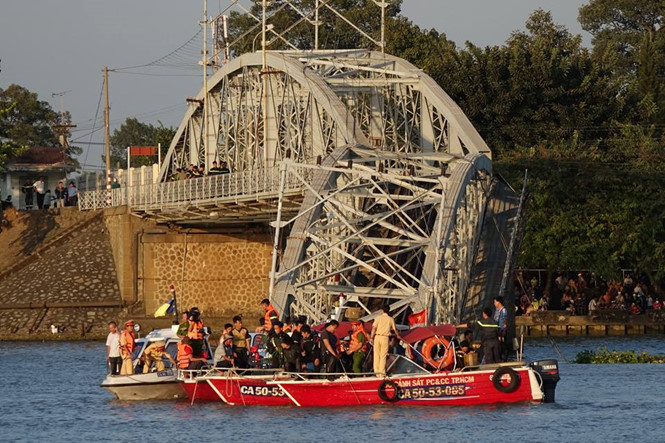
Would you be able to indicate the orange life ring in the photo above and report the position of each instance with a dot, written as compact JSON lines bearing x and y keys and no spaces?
{"x":442,"y":362}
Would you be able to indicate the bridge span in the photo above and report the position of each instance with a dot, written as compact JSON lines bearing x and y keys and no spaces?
{"x":376,"y":184}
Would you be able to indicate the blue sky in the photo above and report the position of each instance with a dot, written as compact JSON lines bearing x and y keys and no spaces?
{"x":49,"y":47}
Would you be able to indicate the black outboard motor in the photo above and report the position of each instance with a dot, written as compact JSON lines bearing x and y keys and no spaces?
{"x":549,"y":371}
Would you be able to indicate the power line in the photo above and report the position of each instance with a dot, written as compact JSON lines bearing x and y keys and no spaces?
{"x":85,"y":160}
{"x":181,"y":53}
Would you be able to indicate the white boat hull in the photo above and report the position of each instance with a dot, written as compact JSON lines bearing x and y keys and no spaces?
{"x":153,"y":386}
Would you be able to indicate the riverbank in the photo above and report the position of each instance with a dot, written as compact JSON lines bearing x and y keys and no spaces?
{"x":602,"y":323}
{"x":87,"y":333}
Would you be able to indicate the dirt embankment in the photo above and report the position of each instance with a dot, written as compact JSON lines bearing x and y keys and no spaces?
{"x":60,"y":263}
{"x":25,"y":233}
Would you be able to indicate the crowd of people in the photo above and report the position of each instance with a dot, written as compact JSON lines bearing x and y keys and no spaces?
{"x":585,"y":294}
{"x":195,"y":172}
{"x":295,"y":346}
{"x":62,"y":196}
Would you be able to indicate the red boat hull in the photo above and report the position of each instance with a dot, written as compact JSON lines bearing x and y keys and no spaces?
{"x":199,"y":390}
{"x":247,"y":391}
{"x":468,"y":388}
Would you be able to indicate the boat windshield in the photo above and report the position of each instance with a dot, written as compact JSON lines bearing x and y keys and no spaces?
{"x":398,"y":364}
{"x":138,"y":348}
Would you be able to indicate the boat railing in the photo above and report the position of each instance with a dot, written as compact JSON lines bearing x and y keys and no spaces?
{"x":188,"y":374}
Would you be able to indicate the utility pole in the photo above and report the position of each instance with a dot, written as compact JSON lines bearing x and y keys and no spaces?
{"x":206,"y":122}
{"x":107,"y":139}
{"x":264,"y":82}
{"x":63,"y":127}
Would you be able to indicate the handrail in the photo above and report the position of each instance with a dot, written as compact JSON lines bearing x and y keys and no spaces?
{"x":248,"y":184}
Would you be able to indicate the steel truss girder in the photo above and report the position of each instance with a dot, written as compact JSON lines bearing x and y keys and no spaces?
{"x":315,"y":102}
{"x":371,"y":244}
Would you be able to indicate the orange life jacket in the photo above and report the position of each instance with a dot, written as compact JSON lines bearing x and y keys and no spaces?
{"x":184,"y":355}
{"x":130,"y":344}
{"x":271,"y":312}
{"x":197,"y":330}
{"x":355,"y":341}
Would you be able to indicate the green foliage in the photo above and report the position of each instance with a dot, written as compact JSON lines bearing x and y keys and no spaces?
{"x":604,"y":356}
{"x":590,"y":215}
{"x":334,"y":32}
{"x":135,"y":133}
{"x":26,"y":120}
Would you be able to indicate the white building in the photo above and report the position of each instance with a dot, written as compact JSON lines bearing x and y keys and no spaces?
{"x":39,"y":161}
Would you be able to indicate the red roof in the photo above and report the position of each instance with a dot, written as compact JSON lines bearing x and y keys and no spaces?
{"x":41,"y":156}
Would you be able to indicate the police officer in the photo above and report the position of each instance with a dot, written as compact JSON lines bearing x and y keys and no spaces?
{"x":488,"y":333}
{"x":155,"y":353}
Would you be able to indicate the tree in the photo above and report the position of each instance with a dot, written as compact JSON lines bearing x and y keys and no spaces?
{"x":135,"y":133}
{"x":629,"y":38}
{"x":8,"y":148}
{"x":26,"y":121}
{"x":334,"y":32}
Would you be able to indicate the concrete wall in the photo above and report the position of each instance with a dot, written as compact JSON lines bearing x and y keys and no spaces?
{"x":561,"y":323}
{"x":223,"y":273}
{"x":125,"y":231}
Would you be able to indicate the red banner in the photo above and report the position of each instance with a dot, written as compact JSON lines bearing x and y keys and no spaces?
{"x":143,"y":150}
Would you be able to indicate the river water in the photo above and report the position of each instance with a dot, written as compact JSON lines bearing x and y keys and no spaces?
{"x":50,"y":392}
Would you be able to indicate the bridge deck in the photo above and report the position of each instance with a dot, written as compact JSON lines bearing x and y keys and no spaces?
{"x":488,"y":268}
{"x":249,"y":195}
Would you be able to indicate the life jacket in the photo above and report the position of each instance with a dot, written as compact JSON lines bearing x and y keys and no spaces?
{"x":184,"y":355}
{"x":130,"y":344}
{"x":355,"y":342}
{"x":269,"y":315}
{"x":197,"y":330}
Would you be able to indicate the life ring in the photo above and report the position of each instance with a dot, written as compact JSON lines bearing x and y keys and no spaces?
{"x":512,"y":384}
{"x":438,"y":363}
{"x":383,"y":393}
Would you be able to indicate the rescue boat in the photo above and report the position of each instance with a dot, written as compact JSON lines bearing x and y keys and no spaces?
{"x":409,"y":381}
{"x":154,"y":385}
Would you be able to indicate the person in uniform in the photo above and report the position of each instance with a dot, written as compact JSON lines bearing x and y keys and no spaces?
{"x":195,"y":331}
{"x":358,"y":346}
{"x":487,"y":330}
{"x":127,"y":345}
{"x":380,"y":339}
{"x":241,"y":343}
{"x":270,"y":316}
{"x":186,"y":358}
{"x":155,"y":353}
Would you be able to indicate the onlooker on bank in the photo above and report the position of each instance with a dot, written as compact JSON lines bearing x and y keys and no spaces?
{"x":60,"y":195}
{"x":47,"y":199}
{"x":39,"y":186}
{"x":72,"y":194}
{"x":29,"y":191}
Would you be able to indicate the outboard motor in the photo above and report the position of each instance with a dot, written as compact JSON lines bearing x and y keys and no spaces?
{"x":549,"y":371}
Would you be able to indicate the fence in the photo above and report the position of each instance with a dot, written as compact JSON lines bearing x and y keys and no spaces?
{"x":212,"y":189}
{"x":96,"y":181}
